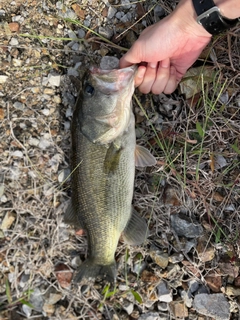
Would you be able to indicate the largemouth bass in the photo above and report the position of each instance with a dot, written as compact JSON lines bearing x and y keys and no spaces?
{"x":103,"y":168}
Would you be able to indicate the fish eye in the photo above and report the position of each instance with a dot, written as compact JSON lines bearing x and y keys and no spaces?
{"x":89,"y":89}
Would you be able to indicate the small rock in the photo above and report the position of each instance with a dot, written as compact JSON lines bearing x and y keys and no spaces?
{"x":220,"y":162}
{"x":76,"y":262}
{"x":189,"y":245}
{"x":123,"y":287}
{"x":33,"y":142}
{"x":212,"y":305}
{"x":109,"y":63}
{"x":184,"y":226}
{"x":72,"y":72}
{"x":44,"y":143}
{"x":111,"y":12}
{"x":49,"y":309}
{"x":179,"y":309}
{"x":17,"y":62}
{"x":232,"y":291}
{"x":17,"y":154}
{"x":75,"y":46}
{"x":150,"y":316}
{"x":176,"y":258}
{"x":19,"y":105}
{"x":193,"y":285}
{"x":139,"y":266}
{"x":54,"y":80}
{"x":164,"y":294}
{"x":8,"y":220}
{"x":158,"y":12}
{"x":186,"y":296}
{"x":13,"y":42}
{"x":81,"y":33}
{"x":3,"y":79}
{"x":14,"y":26}
{"x":159,"y":257}
{"x":36,"y":299}
{"x":162,"y":306}
{"x":48,"y":91}
{"x":105,"y":32}
{"x":24,"y":279}
{"x":27,"y":310}
{"x":63,"y":175}
{"x":1,"y":189}
{"x":128,"y":306}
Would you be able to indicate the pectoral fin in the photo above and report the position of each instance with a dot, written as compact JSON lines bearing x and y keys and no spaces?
{"x":143,"y":158}
{"x":70,"y":217}
{"x":136,"y":231}
{"x":112,"y":158}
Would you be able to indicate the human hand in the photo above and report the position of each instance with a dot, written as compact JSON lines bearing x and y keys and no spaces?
{"x":166,"y":50}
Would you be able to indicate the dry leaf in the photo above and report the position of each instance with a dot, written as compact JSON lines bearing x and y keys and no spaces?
{"x":64,"y":275}
{"x":79,"y":12}
{"x":194,"y":79}
{"x":214,"y":281}
{"x":1,"y":113}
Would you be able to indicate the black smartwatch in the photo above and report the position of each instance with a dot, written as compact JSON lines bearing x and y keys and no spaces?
{"x":209,"y":16}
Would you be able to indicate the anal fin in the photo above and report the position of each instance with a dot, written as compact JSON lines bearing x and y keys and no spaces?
{"x":136,"y":231}
{"x":70,"y":216}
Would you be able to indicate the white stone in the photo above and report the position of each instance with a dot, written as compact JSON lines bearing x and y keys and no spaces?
{"x":3,"y":79}
{"x":54,"y":80}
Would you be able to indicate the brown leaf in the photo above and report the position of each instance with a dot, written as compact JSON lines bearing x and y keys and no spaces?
{"x":79,"y":12}
{"x":1,"y":113}
{"x":218,"y":197}
{"x":214,"y":281}
{"x":190,"y":268}
{"x":212,"y":162}
{"x":64,"y":275}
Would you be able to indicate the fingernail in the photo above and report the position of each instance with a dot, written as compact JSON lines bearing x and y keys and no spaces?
{"x":165,"y":63}
{"x":153,"y":65}
{"x":140,"y":73}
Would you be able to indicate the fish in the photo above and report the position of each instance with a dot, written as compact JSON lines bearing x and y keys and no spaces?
{"x":103,"y":169}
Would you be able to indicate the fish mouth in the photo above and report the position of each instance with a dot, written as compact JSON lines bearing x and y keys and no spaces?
{"x":115,"y":80}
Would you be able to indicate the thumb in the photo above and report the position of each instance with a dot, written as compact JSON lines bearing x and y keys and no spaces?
{"x":129,"y":58}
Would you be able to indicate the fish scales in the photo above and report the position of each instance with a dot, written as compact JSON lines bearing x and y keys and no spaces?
{"x":103,"y":200}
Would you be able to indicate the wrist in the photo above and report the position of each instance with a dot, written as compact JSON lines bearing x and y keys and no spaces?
{"x":186,"y":15}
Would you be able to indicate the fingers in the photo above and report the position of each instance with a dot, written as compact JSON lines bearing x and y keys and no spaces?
{"x":162,"y":77}
{"x":157,"y":78}
{"x":172,"y":81}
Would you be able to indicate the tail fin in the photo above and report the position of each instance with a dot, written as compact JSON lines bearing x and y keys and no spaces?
{"x":90,"y":270}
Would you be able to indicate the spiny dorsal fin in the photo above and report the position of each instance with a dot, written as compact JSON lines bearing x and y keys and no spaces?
{"x":143,"y":157}
{"x":136,"y":231}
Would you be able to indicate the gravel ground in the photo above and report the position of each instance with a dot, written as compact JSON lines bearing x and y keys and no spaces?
{"x":189,"y":267}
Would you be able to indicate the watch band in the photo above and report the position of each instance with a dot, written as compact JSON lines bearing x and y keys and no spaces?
{"x":209,"y":16}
